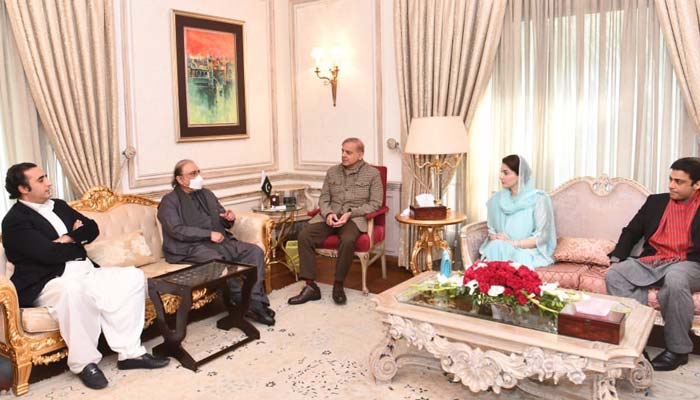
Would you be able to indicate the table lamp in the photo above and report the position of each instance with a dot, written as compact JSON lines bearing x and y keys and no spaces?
{"x":436,"y":136}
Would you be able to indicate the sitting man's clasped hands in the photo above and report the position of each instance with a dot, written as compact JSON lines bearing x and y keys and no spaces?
{"x":333,"y":221}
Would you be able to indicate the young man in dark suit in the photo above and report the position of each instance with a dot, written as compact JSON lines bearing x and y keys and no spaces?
{"x":669,"y":224}
{"x":44,"y":239}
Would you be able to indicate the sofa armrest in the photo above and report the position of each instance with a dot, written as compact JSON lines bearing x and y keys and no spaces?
{"x":252,"y":228}
{"x":9,"y":309}
{"x":472,"y":237}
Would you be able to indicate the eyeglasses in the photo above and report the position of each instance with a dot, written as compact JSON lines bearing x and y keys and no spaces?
{"x":192,"y":174}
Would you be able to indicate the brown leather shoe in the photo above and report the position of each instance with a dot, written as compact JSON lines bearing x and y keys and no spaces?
{"x":310,"y":292}
{"x":339,"y":294}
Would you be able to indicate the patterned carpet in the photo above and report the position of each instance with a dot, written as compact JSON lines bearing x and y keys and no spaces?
{"x":316,"y":351}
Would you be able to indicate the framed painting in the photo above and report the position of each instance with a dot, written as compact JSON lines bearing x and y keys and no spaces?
{"x":209,"y":77}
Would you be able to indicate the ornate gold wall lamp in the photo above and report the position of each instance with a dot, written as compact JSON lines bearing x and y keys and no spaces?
{"x":322,"y":64}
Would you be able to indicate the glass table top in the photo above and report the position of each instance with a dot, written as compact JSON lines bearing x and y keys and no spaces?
{"x":451,"y":301}
{"x":203,"y":273}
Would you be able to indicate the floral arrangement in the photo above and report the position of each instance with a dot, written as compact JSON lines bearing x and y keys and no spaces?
{"x":513,"y":285}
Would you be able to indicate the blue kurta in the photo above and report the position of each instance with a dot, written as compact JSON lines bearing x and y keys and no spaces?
{"x":528,"y":215}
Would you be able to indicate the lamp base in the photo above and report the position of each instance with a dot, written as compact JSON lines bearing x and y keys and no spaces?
{"x":429,"y":213}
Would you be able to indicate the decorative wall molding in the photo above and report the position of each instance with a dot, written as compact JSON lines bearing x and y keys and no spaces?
{"x":158,"y":194}
{"x":318,"y":165}
{"x":141,"y":180}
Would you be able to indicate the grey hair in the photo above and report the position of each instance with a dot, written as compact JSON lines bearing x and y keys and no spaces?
{"x":358,"y":143}
{"x":177,"y":171}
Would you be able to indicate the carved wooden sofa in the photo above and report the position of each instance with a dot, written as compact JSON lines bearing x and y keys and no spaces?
{"x":30,"y":336}
{"x":584,"y":208}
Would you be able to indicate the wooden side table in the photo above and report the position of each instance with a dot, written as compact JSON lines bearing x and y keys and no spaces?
{"x":430,"y":232}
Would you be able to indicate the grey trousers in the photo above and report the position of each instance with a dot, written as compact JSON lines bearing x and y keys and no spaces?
{"x":632,"y":278}
{"x":313,"y":235}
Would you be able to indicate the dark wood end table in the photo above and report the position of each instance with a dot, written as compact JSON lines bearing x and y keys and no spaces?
{"x":210,"y":275}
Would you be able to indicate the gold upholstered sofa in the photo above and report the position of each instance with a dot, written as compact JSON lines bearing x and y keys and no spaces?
{"x":584,"y":208}
{"x":30,"y":336}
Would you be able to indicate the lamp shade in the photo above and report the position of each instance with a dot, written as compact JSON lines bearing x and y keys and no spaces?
{"x":437,"y":135}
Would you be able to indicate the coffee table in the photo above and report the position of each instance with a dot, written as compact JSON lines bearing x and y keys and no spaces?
{"x":210,"y":275}
{"x":489,"y":355}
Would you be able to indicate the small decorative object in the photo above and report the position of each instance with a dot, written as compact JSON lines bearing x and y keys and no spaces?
{"x":609,"y":328}
{"x":446,"y":264}
{"x":274,"y":200}
{"x":290,"y":202}
{"x":291,"y":249}
{"x":429,"y":213}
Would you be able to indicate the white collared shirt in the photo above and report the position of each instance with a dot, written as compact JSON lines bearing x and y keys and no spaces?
{"x":46,"y":211}
{"x":73,"y":268}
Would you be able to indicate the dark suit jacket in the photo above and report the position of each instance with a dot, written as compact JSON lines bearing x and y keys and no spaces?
{"x":28,"y":241}
{"x":646,"y":222}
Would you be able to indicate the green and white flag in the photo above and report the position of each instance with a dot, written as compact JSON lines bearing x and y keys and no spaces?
{"x":265,"y":184}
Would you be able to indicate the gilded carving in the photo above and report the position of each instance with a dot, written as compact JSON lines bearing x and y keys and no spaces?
{"x":47,"y":359}
{"x":102,"y":198}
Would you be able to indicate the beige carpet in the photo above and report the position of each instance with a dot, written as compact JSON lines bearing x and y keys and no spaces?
{"x":316,"y":351}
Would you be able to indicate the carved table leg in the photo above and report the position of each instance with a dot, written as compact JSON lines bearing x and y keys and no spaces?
{"x":382,"y":362}
{"x":642,"y":376}
{"x":604,"y":385}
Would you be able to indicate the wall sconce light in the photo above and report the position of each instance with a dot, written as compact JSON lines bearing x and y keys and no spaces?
{"x":323,"y":63}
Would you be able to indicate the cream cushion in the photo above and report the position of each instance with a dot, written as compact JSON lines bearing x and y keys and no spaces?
{"x":123,"y":251}
{"x":128,"y":218}
{"x":37,"y":320}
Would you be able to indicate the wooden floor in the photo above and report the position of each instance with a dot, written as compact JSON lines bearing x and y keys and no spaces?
{"x":325,"y":268}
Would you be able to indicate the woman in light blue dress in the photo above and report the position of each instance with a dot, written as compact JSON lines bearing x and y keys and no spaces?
{"x":520,"y":219}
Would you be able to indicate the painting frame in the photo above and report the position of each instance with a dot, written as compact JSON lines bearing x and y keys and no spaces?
{"x":208,"y":77}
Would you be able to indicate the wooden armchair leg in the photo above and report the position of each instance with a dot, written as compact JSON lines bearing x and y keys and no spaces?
{"x":21,"y":370}
{"x":383,"y":258}
{"x":364,"y":260}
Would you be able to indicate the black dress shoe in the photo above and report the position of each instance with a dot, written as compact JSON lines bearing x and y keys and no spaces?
{"x":92,"y":377}
{"x":310,"y":292}
{"x":339,"y":294}
{"x":258,"y":313}
{"x":668,"y":361}
{"x":146,"y":361}
{"x":270,"y":312}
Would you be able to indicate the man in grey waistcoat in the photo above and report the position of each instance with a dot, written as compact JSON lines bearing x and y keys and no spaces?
{"x":195,"y":231}
{"x":351,"y":190}
{"x":669,"y":224}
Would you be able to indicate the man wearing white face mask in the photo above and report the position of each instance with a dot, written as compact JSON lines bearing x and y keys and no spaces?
{"x":195,"y":231}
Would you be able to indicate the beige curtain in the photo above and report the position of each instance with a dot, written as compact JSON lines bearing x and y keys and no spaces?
{"x":580,"y":88}
{"x":19,"y":124}
{"x":68,"y":52}
{"x":444,"y":52}
{"x":680,"y":23}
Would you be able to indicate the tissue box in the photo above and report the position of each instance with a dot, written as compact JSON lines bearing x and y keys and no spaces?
{"x":609,"y":328}
{"x":429,"y":213}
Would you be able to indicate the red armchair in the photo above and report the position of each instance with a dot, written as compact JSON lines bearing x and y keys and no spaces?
{"x":367,"y":243}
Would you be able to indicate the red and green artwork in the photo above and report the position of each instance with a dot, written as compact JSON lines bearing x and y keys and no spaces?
{"x":210,"y":61}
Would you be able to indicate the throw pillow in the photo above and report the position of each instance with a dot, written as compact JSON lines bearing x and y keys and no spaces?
{"x":583,"y":251}
{"x":123,"y":251}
